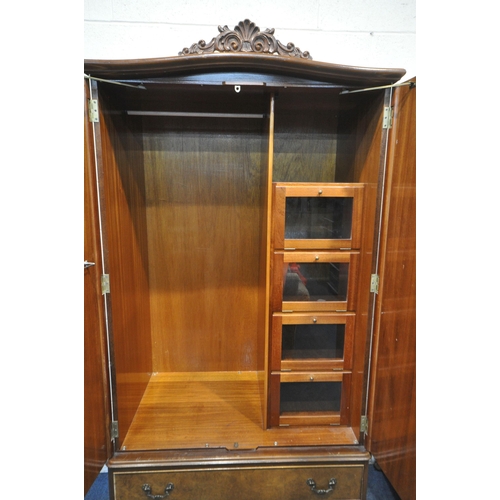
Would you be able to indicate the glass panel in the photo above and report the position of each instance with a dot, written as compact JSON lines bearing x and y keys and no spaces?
{"x":315,"y":282}
{"x":318,"y":218}
{"x":310,"y":396}
{"x":312,"y":341}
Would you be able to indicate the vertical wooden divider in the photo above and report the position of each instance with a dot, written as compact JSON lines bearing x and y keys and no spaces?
{"x":269,"y":193}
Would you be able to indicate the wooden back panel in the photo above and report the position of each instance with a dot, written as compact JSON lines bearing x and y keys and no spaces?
{"x":305,"y":137}
{"x":205,"y":209}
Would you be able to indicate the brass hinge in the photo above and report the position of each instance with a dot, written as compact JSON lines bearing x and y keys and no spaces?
{"x":93,"y":111}
{"x":374,"y":283}
{"x":388,"y":115}
{"x":364,"y":424}
{"x":114,"y":429}
{"x":105,"y":283}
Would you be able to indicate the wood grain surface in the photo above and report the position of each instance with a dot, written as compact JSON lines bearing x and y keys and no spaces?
{"x":393,"y":381}
{"x":205,"y":216}
{"x":96,"y":387}
{"x":216,"y":409}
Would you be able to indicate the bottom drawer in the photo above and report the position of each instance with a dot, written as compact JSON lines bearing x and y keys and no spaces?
{"x":243,"y":483}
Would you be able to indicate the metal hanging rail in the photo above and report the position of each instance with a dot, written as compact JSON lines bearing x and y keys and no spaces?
{"x":196,"y":114}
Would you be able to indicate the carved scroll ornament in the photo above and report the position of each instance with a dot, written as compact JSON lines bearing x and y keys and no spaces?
{"x":246,"y":37}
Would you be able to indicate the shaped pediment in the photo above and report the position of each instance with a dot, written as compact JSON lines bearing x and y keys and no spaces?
{"x":245,"y":37}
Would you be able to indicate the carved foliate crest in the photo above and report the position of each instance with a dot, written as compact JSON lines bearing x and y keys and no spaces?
{"x":246,"y":37}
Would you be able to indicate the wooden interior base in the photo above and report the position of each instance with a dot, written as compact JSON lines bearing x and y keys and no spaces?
{"x":216,"y":410}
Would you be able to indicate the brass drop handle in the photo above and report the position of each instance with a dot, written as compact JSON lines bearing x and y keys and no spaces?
{"x":147,"y":489}
{"x":312,"y":484}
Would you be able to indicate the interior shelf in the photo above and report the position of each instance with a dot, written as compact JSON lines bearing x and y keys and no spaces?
{"x":216,"y":410}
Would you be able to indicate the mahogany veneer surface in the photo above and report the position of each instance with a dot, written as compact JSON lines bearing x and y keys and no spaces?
{"x":212,"y":410}
{"x":268,"y":63}
{"x":204,"y":214}
{"x":264,"y":483}
{"x":392,"y":439}
{"x":96,"y":440}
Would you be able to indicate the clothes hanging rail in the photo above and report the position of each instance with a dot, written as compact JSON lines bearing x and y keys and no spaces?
{"x":196,"y":114}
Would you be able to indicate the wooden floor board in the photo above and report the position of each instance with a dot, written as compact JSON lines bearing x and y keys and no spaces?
{"x":213,"y":410}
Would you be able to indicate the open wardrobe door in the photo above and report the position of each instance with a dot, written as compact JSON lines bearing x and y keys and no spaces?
{"x":391,"y":436}
{"x":96,"y":431}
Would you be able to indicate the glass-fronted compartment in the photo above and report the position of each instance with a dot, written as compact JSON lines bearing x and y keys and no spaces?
{"x":323,"y":216}
{"x":310,"y":398}
{"x":314,"y":281}
{"x":312,"y":341}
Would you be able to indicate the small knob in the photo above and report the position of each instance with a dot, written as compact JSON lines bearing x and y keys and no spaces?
{"x":314,"y":320}
{"x":320,"y":191}
{"x":311,"y":378}
{"x":317,"y":257}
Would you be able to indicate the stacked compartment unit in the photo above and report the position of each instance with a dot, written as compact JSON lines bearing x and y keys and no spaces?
{"x":316,"y":245}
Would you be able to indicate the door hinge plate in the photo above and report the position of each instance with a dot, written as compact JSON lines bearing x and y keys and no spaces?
{"x":105,"y":283}
{"x":364,"y":424}
{"x":114,"y":429}
{"x":374,"y":283}
{"x":388,"y":115}
{"x":93,"y":111}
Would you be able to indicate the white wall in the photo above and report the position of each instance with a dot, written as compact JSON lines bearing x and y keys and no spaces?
{"x":376,"y":33}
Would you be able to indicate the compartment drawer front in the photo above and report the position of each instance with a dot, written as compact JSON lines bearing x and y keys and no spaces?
{"x":311,"y":341}
{"x":268,"y":483}
{"x":317,"y":216}
{"x":307,"y":398}
{"x":314,"y":281}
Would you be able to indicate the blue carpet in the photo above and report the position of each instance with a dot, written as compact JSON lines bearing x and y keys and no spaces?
{"x":99,"y":489}
{"x":378,"y":487}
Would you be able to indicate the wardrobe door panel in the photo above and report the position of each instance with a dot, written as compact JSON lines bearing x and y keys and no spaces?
{"x":96,"y":388}
{"x":392,"y":416}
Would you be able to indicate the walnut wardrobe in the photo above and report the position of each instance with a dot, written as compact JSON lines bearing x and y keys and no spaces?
{"x":243,"y":208}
